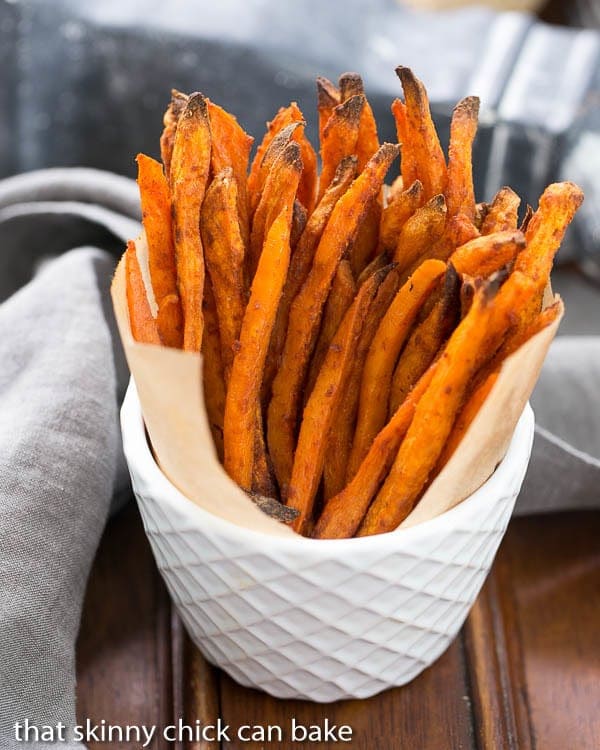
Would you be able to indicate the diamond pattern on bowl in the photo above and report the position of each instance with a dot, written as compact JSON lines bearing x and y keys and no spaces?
{"x":322,"y":620}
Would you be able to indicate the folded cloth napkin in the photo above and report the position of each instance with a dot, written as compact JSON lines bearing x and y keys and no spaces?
{"x":61,"y":378}
{"x":61,"y":381}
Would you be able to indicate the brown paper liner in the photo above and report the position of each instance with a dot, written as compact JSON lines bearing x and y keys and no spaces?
{"x":168,"y":383}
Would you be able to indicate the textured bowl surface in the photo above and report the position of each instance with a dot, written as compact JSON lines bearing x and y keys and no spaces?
{"x":322,"y":619}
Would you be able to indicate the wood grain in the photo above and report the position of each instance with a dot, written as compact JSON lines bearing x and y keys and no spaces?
{"x":523,"y":674}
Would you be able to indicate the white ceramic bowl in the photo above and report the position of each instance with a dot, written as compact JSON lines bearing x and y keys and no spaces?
{"x":322,"y":619}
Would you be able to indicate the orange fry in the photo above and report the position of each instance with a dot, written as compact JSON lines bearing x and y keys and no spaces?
{"x":278,"y":191}
{"x":156,"y":218}
{"x":426,"y":339}
{"x":476,"y":337}
{"x":328,"y":97}
{"x":143,"y":325}
{"x":307,"y":308}
{"x":460,"y":195}
{"x":243,"y":395}
{"x":231,"y":147}
{"x":408,"y":163}
{"x":341,"y":432}
{"x":485,"y":379}
{"x":423,"y":143}
{"x":351,"y":84}
{"x":545,"y":231}
{"x":343,"y":290}
{"x":259,"y":174}
{"x":224,"y":253}
{"x":339,"y":138}
{"x":485,"y":255}
{"x":170,"y":119}
{"x":169,"y":321}
{"x":420,"y":233}
{"x":395,"y":215}
{"x":301,"y":262}
{"x":299,"y":219}
{"x":344,"y":513}
{"x":321,"y":406}
{"x":502,"y":215}
{"x":213,"y":377}
{"x":383,"y":353}
{"x":189,"y":173}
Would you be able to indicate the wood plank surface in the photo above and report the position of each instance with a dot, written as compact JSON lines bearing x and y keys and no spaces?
{"x":524,"y":672}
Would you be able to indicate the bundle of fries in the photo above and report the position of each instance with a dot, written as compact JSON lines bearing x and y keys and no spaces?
{"x":350,"y":331}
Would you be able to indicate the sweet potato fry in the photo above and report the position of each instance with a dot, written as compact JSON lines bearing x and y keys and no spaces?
{"x":339,"y":442}
{"x":383,"y":353}
{"x":343,"y":514}
{"x":300,"y":264}
{"x":328,"y":98}
{"x":143,"y":325}
{"x":420,"y":232}
{"x":379,"y":261}
{"x":156,"y":218}
{"x":351,"y":84}
{"x":279,"y":190}
{"x":243,"y":395}
{"x":364,"y":248}
{"x":169,"y":321}
{"x":485,"y":379}
{"x":485,"y":255}
{"x":213,"y":377}
{"x":307,"y":190}
{"x":408,"y":164}
{"x":340,"y":138}
{"x":433,"y":419}
{"x":299,"y":219}
{"x":321,"y":406}
{"x":170,"y":119}
{"x":481,"y":211}
{"x":476,"y":338}
{"x":258,"y":176}
{"x":224,"y":253}
{"x":545,"y":232}
{"x":458,"y":231}
{"x":307,"y":308}
{"x":426,"y":339}
{"x":395,"y":215}
{"x":502,"y":215}
{"x":231,"y":147}
{"x":460,"y":196}
{"x":422,"y":140}
{"x":526,"y":219}
{"x":190,"y":164}
{"x":343,"y":291}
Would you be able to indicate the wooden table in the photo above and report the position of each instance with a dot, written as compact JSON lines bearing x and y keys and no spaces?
{"x":523,"y":673}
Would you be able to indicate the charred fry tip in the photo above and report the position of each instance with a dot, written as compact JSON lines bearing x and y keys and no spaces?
{"x":468,"y":106}
{"x":291,"y":155}
{"x":351,"y":84}
{"x":415,"y":189}
{"x":495,"y":281}
{"x":386,"y":151}
{"x":409,"y":80}
{"x":346,"y":164}
{"x":196,"y":106}
{"x":351,"y":108}
{"x":438,"y":202}
{"x":327,"y":94}
{"x":451,"y":278}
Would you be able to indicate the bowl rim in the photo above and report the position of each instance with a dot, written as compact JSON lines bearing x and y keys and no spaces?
{"x":141,"y":462}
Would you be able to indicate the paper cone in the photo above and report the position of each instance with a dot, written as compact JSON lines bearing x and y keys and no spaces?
{"x":169,"y":385}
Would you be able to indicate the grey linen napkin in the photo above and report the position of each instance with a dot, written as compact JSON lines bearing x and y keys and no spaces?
{"x":61,"y":380}
{"x":60,"y":456}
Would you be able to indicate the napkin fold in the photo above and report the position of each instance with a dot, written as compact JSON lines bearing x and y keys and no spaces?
{"x":62,"y":377}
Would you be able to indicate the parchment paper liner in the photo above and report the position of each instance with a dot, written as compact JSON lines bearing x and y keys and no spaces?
{"x":168,"y":383}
